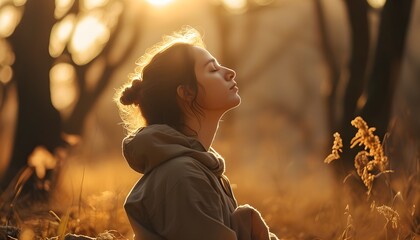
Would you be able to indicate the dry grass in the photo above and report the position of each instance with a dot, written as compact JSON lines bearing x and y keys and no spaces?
{"x":400,"y":216}
{"x":374,"y":203}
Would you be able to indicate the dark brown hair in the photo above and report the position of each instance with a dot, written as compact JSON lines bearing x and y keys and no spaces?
{"x":150,"y":97}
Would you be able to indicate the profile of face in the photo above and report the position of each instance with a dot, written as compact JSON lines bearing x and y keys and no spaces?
{"x":176,"y":82}
{"x":217,"y":91}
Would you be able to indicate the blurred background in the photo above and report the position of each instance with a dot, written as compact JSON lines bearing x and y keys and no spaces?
{"x":305,"y":69}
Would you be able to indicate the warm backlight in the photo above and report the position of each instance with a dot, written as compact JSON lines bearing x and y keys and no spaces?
{"x":63,"y":85}
{"x":235,"y":6}
{"x":89,"y":37}
{"x":9,"y":18}
{"x":377,"y":3}
{"x":60,"y":35}
{"x":159,"y":3}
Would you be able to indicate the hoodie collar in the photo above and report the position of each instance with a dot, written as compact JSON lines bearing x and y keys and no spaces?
{"x":155,"y":144}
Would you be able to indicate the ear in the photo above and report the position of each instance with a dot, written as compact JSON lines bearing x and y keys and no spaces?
{"x":185,"y":93}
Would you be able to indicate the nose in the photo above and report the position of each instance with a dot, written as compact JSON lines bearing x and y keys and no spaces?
{"x":230,"y":74}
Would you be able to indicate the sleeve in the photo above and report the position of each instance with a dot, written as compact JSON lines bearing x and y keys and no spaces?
{"x":141,"y":233}
{"x":192,"y":211}
{"x":249,"y":224}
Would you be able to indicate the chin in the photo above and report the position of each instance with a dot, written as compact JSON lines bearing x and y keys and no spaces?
{"x":239,"y":100}
{"x":236,"y":103}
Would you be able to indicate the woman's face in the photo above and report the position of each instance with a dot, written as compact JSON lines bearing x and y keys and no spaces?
{"x":217,"y":91}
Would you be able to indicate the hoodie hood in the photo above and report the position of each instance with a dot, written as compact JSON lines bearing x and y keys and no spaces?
{"x":156,"y":144}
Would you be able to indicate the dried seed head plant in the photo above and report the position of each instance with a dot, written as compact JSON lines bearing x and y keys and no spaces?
{"x":336,"y":148}
{"x":370,"y":162}
{"x":365,"y":136}
{"x":390,"y":215}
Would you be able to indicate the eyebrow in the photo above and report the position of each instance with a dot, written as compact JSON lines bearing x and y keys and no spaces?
{"x":209,"y":61}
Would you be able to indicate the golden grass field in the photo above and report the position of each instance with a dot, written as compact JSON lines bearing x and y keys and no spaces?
{"x":372,"y":202}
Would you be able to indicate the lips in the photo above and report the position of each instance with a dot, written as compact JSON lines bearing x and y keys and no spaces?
{"x":234,"y":86}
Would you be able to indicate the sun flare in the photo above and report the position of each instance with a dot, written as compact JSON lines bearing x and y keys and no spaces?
{"x":159,"y":3}
{"x":377,"y":3}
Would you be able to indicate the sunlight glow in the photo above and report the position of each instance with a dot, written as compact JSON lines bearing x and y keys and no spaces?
{"x":361,"y":102}
{"x":6,"y":74}
{"x":19,"y":3}
{"x":60,"y":35}
{"x":91,"y":4}
{"x":377,"y":3}
{"x":42,"y":160}
{"x":235,"y":6}
{"x":61,"y":7}
{"x":63,"y":85}
{"x":9,"y":19}
{"x":7,"y":58}
{"x":159,"y":3}
{"x":89,"y":37}
{"x":263,"y":2}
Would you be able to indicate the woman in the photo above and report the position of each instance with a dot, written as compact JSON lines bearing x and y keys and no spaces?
{"x":179,"y":92}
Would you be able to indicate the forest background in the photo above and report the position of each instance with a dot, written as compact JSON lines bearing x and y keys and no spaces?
{"x":305,"y":70}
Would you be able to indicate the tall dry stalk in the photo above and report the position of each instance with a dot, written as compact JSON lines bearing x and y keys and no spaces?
{"x":369,"y":163}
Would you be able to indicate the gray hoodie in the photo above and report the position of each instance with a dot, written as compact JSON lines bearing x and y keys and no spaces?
{"x":183,"y":193}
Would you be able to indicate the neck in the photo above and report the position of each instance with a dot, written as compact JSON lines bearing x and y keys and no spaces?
{"x":205,"y":128}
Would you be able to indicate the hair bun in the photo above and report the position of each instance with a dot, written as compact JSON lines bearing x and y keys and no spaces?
{"x":130,"y":95}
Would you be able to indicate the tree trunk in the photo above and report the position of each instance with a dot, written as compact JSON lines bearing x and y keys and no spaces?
{"x":38,"y":122}
{"x":386,"y":69}
{"x":88,"y":98}
{"x":357,"y":11}
{"x":379,"y":84}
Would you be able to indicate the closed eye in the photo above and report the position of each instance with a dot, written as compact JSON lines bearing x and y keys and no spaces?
{"x":213,"y":68}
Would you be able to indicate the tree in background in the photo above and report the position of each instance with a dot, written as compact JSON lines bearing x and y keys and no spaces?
{"x":38,"y":122}
{"x":65,"y":53}
{"x":373,"y":70}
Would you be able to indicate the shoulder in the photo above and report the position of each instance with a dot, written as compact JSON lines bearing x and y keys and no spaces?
{"x":182,"y":179}
{"x":179,"y":175}
{"x":162,"y":180}
{"x":179,"y":169}
{"x":180,"y":172}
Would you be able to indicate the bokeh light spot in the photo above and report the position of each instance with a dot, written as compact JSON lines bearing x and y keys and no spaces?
{"x":60,"y":35}
{"x":377,"y":3}
{"x":159,"y":3}
{"x":89,"y":37}
{"x":91,"y":4}
{"x":63,"y":85}
{"x":6,"y":74}
{"x":235,"y":6}
{"x":61,"y":7}
{"x":9,"y":18}
{"x":42,"y":160}
{"x":19,"y":3}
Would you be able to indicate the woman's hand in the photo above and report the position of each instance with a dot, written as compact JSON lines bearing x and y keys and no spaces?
{"x":248,"y":224}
